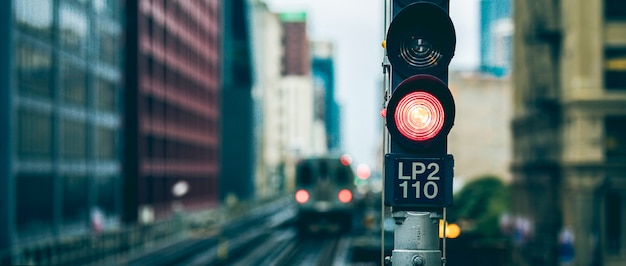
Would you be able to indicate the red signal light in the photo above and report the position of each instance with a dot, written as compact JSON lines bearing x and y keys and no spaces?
{"x":345,"y":159}
{"x":420,"y":113}
{"x":419,"y":116}
{"x":363,"y":171}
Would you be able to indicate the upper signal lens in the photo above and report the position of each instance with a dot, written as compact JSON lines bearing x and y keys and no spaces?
{"x":419,"y":52}
{"x":420,"y":40}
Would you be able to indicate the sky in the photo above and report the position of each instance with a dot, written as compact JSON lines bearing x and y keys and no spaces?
{"x":356,"y":27}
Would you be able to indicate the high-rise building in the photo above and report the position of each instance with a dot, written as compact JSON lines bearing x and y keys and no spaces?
{"x":267,"y":52}
{"x":61,"y":119}
{"x":496,"y":31}
{"x":300,"y":132}
{"x":480,"y":140}
{"x":237,"y":118}
{"x":569,"y":133}
{"x":172,"y":126}
{"x":326,"y":107}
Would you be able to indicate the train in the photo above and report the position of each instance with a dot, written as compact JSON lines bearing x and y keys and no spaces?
{"x":324,"y":195}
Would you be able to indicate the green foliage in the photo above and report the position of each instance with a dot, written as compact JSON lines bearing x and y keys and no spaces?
{"x":479,"y":205}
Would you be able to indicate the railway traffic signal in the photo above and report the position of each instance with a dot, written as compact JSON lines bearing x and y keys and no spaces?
{"x":420,"y":113}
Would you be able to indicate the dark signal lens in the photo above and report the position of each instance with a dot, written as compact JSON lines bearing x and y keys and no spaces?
{"x":419,"y":52}
{"x":419,"y":116}
{"x":420,"y":39}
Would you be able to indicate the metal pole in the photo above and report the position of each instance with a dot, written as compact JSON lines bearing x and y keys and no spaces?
{"x":416,"y":238}
{"x":386,"y":141}
{"x":445,"y":234}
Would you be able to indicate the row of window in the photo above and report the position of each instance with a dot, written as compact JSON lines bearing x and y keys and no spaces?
{"x":74,"y":198}
{"x":163,"y":40}
{"x":35,"y":137}
{"x":78,"y":32}
{"x":179,"y":116}
{"x":35,"y":77}
{"x":157,"y":147}
{"x":182,"y":82}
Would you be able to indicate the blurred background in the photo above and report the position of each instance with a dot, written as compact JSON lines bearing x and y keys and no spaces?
{"x":240,"y":132}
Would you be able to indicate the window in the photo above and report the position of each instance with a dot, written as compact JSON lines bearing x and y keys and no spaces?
{"x":38,"y":23}
{"x":73,"y":30}
{"x":105,"y":143}
{"x":108,"y":7}
{"x":615,"y":138}
{"x":74,"y":139}
{"x":344,"y":175}
{"x":34,"y":204}
{"x":108,"y":192}
{"x":614,"y":9}
{"x":34,"y":134}
{"x":305,"y":174}
{"x":615,"y":69}
{"x":105,"y":95}
{"x":73,"y":83}
{"x":108,"y":47}
{"x":34,"y":70}
{"x":74,"y":198}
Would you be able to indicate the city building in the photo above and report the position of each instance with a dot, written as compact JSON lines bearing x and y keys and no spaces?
{"x":61,"y":117}
{"x":267,"y":52}
{"x":294,"y":89}
{"x":172,"y":120}
{"x":326,"y":106}
{"x":481,"y":138}
{"x":237,"y":153}
{"x":569,"y":133}
{"x":496,"y":31}
{"x":300,"y":132}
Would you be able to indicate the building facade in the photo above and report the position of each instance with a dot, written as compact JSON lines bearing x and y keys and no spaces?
{"x":237,"y":118}
{"x":326,"y":106}
{"x":61,"y":115}
{"x":301,"y":135}
{"x":480,"y":139}
{"x":267,"y":52}
{"x":569,"y":131}
{"x":172,"y":126}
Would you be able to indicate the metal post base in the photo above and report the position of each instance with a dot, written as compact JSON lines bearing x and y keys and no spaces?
{"x":416,"y":239}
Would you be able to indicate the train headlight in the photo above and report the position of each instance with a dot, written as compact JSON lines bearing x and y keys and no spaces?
{"x":302,"y":196}
{"x":344,"y":196}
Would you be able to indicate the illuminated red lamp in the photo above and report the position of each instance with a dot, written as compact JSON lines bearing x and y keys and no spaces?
{"x":420,"y":112}
{"x":363,"y":171}
{"x":419,"y":116}
{"x":345,"y":159}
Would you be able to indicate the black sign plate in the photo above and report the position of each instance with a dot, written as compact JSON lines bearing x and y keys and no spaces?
{"x":412,"y":181}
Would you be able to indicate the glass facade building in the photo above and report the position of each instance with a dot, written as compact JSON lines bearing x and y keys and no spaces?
{"x":63,"y":165}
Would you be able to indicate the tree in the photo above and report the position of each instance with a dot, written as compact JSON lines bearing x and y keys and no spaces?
{"x":479,"y":206}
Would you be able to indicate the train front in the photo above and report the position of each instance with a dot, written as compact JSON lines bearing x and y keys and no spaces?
{"x":324,"y":193}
